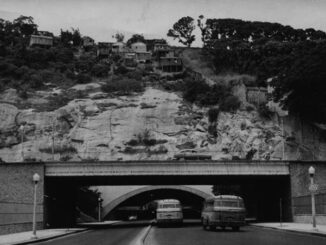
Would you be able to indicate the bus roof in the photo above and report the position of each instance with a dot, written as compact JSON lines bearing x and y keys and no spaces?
{"x":223,"y":197}
{"x":170,"y":201}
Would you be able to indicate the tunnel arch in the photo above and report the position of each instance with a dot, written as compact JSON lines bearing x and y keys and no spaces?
{"x":116,"y":202}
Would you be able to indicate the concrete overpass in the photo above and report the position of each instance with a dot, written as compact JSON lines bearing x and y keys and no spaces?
{"x":160,"y":172}
{"x":272,"y":179}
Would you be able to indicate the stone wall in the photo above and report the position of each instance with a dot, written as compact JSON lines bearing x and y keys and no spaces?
{"x":16,"y":196}
{"x":301,"y":201}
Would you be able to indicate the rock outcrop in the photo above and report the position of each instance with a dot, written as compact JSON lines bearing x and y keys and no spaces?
{"x":152,"y":125}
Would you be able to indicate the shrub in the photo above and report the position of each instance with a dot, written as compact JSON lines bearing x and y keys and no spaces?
{"x":137,"y":75}
{"x":123,"y":86}
{"x":264,"y":112}
{"x":83,"y":78}
{"x":231,"y":103}
{"x":19,"y":73}
{"x":59,"y":149}
{"x":7,"y":68}
{"x":194,"y":90}
{"x":58,"y":101}
{"x":36,"y":81}
{"x":250,"y":108}
{"x":100,"y":70}
{"x":213,"y":114}
{"x":121,"y":70}
{"x":23,"y":94}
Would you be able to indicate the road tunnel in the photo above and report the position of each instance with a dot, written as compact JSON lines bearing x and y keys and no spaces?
{"x":267,"y":198}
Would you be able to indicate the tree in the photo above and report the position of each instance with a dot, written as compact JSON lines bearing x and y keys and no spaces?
{"x":72,"y":37}
{"x":182,"y":30}
{"x":135,"y":38}
{"x":76,"y":37}
{"x":119,"y":36}
{"x":301,"y":86}
{"x":66,"y":37}
{"x":24,"y":25}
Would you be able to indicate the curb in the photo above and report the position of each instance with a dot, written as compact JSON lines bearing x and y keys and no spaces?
{"x":292,"y":231}
{"x":49,"y":238}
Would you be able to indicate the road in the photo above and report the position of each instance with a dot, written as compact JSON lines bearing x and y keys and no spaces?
{"x":191,"y":234}
{"x":118,"y":234}
{"x":195,"y":235}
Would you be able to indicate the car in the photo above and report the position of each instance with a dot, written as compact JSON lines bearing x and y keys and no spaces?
{"x":132,"y":217}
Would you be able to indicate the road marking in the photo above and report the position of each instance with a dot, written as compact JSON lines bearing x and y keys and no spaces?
{"x":140,"y":238}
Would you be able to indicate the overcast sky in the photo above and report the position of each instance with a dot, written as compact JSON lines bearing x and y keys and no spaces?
{"x":102,"y":18}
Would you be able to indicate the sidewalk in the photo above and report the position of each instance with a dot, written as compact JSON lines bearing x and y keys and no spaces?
{"x":98,"y":224}
{"x":42,"y":235}
{"x":295,"y":227}
{"x":47,"y":234}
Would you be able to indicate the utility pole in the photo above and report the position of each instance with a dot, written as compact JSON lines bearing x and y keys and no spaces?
{"x":313,"y":188}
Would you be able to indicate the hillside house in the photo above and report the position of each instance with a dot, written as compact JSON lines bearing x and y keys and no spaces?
{"x":150,"y":43}
{"x":104,"y":49}
{"x":139,"y":47}
{"x":130,"y":59}
{"x":41,"y":41}
{"x":88,"y":41}
{"x":170,"y":64}
{"x":162,"y":50}
{"x":118,"y":47}
{"x":144,"y":57}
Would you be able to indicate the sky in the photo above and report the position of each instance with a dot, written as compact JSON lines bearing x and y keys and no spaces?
{"x":100,"y":19}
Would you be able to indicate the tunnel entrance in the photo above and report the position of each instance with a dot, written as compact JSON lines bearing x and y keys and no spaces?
{"x":143,"y":205}
{"x":262,"y":196}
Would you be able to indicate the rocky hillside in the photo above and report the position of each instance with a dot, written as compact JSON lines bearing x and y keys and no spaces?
{"x":154,"y":124}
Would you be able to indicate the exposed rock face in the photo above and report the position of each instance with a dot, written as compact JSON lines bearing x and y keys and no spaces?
{"x":153,"y":125}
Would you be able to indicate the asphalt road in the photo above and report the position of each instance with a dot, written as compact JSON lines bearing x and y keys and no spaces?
{"x":195,"y":235}
{"x":189,"y":234}
{"x":118,"y":234}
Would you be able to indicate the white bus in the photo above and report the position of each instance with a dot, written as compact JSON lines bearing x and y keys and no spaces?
{"x":169,"y":211}
{"x":223,"y":211}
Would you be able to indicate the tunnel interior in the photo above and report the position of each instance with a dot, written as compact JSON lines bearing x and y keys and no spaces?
{"x":266,"y":199}
{"x":143,"y":205}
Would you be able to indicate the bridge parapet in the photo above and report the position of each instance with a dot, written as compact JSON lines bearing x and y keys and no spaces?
{"x":170,"y":168}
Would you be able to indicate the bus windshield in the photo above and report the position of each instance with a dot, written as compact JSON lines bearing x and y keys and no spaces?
{"x":229,"y":203}
{"x":169,"y":206}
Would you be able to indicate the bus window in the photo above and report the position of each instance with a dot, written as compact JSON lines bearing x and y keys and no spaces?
{"x":231,"y":204}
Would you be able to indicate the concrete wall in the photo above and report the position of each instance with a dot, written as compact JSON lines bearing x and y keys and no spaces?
{"x":16,"y":196}
{"x":301,"y":202}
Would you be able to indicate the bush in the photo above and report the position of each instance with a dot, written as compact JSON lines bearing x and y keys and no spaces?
{"x":21,"y":71}
{"x":123,"y":86}
{"x":7,"y":68}
{"x":264,"y":112}
{"x":250,"y":108}
{"x":23,"y":94}
{"x":137,"y":75}
{"x":83,"y":78}
{"x":200,"y":92}
{"x":230,"y":104}
{"x":36,"y":81}
{"x":194,"y":90}
{"x":59,"y":149}
{"x":121,"y":70}
{"x":213,"y":114}
{"x":100,"y":70}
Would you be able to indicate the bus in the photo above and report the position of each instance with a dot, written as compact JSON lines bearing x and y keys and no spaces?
{"x":169,"y":211}
{"x":224,"y":211}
